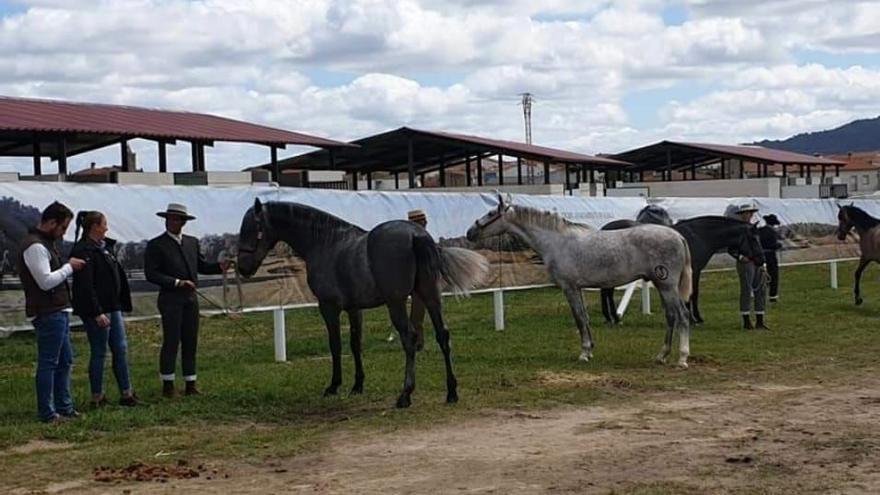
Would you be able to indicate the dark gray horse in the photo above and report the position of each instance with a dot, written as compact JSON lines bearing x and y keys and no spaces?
{"x":852,"y":217}
{"x":578,"y":257}
{"x":706,"y":236}
{"x":350,"y":269}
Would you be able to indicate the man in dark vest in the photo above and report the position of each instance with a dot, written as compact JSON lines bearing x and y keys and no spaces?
{"x":173,"y":261}
{"x":47,"y":302}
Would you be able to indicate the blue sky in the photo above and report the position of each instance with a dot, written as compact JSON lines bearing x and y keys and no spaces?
{"x":607,"y":76}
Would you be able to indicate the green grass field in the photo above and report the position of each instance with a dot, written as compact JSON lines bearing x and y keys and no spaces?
{"x":254,"y":409}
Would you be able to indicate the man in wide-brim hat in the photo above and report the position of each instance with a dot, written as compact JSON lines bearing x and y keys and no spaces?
{"x":173,"y":261}
{"x":751,"y":276}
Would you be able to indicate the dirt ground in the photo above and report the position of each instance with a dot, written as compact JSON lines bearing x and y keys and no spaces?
{"x":751,"y":438}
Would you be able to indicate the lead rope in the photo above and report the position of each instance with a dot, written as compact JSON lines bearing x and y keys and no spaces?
{"x":237,"y":310}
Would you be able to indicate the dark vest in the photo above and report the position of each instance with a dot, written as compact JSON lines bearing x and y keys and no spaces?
{"x":38,"y":301}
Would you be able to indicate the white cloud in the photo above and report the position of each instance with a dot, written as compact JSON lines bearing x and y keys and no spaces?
{"x":454,"y":64}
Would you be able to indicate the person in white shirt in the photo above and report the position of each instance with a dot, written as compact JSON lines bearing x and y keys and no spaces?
{"x":47,"y":302}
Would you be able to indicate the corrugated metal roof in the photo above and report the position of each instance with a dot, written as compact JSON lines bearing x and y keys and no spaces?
{"x":556,"y":155}
{"x":388,"y":151}
{"x":762,"y":154}
{"x":53,"y":116}
{"x":679,"y":154}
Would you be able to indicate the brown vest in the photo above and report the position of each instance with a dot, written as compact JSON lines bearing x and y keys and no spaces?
{"x":38,"y":301}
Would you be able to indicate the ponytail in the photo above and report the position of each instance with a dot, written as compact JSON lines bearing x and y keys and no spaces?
{"x":85,"y":220}
{"x":80,"y":216}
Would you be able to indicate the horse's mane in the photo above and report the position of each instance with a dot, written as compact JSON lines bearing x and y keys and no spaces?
{"x":547,"y":220}
{"x":324,"y":226}
{"x":861,"y":218}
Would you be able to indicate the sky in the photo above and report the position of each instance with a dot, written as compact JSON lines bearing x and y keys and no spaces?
{"x":606,"y":75}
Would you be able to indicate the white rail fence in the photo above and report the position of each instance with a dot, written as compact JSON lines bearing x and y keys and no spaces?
{"x":498,"y":300}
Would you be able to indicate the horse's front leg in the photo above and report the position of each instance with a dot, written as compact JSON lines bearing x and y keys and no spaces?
{"x":696,"y":317}
{"x":582,"y":319}
{"x":857,"y":290}
{"x":330,"y":313}
{"x":356,"y":320}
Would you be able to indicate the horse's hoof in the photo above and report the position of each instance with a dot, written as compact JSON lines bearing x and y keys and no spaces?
{"x":331,"y":390}
{"x":452,"y":398}
{"x":403,"y":402}
{"x":357,"y":390}
{"x":683,"y":365}
{"x":661,"y":359}
{"x":585,"y":357}
{"x":859,"y":301}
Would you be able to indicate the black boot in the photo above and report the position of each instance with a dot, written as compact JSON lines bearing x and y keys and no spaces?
{"x":759,"y":323}
{"x":191,"y":388}
{"x":168,"y":390}
{"x":747,"y":323}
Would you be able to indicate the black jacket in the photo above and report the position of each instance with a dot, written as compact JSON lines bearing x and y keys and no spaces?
{"x":165,"y":260}
{"x":101,"y":286}
{"x":769,"y":238}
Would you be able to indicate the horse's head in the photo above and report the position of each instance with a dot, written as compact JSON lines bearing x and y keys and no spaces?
{"x":845,"y":221}
{"x":750,"y":245}
{"x":492,"y":223}
{"x":255,"y":239}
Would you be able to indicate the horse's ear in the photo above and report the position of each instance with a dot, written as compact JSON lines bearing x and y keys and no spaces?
{"x":500,"y":200}
{"x":509,"y":200}
{"x":258,"y":206}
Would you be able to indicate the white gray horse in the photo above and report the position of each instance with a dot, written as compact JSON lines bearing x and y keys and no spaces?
{"x":578,"y":257}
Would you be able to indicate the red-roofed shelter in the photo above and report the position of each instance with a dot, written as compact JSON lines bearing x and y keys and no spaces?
{"x":60,"y":129}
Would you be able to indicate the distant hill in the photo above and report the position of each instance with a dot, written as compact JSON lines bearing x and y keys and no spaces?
{"x":859,"y":135}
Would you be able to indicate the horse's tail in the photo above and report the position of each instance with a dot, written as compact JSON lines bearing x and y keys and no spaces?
{"x":463,"y":269}
{"x":460,"y":269}
{"x":685,"y":281}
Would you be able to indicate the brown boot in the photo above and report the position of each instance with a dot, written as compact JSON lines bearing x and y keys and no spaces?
{"x":168,"y":390}
{"x":191,"y":389}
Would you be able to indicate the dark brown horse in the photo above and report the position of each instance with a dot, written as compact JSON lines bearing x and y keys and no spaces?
{"x":852,"y":217}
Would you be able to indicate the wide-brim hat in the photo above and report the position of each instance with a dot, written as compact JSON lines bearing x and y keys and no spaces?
{"x":176,"y":210}
{"x":747,"y":208}
{"x":416,"y":215}
{"x":771,"y":219}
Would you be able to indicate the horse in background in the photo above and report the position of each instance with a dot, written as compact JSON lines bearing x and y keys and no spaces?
{"x":706,"y":236}
{"x":578,"y":257}
{"x":350,"y":269}
{"x":852,"y":217}
{"x":651,"y":214}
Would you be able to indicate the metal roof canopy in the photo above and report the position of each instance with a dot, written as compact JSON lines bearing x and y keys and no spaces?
{"x":417,"y":151}
{"x":60,"y":129}
{"x":672,"y":155}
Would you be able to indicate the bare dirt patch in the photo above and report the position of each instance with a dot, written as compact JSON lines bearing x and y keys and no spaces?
{"x":35,"y":446}
{"x":760,"y":438}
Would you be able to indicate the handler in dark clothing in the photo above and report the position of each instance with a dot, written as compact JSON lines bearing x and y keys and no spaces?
{"x":771,"y":243}
{"x":173,"y":261}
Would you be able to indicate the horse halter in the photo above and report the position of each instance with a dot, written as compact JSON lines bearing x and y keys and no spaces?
{"x":496,"y":215}
{"x":258,"y":218}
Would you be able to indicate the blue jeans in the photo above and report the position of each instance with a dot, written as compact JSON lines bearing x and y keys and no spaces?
{"x":54,"y":358}
{"x":99,"y":338}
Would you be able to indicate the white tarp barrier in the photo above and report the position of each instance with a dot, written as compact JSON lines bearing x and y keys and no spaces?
{"x":131,"y":215}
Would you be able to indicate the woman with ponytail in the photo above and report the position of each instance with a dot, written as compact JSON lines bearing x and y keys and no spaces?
{"x":100,"y":295}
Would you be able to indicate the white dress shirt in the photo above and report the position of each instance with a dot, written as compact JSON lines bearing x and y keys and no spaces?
{"x":36,"y":258}
{"x":179,"y":239}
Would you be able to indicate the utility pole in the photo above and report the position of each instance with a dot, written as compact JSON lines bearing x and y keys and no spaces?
{"x":527,"y":99}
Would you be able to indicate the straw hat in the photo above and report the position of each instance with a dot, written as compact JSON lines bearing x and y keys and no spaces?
{"x":175,"y":209}
{"x":416,"y":216}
